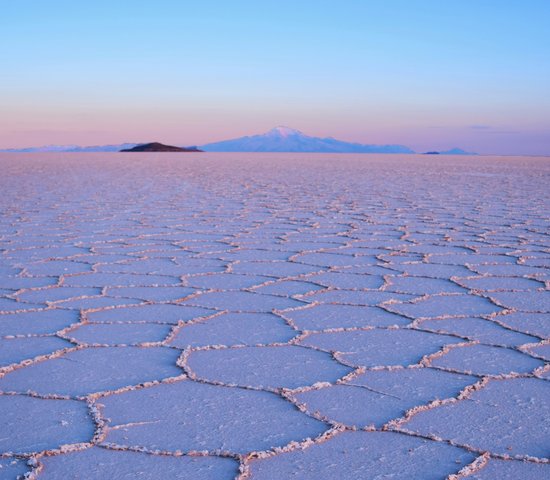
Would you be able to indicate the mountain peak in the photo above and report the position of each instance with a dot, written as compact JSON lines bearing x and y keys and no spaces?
{"x":286,"y":139}
{"x":458,"y":151}
{"x":282,"y":131}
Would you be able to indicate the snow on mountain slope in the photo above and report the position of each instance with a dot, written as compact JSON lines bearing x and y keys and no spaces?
{"x":285,"y":139}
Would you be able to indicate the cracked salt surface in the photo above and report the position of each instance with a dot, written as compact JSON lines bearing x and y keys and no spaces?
{"x":326,"y":316}
{"x":366,"y":455}
{"x":37,"y":322}
{"x":378,"y":396}
{"x":506,"y":470}
{"x":85,"y":371}
{"x":192,"y":416}
{"x":96,"y":463}
{"x":266,"y":367}
{"x":119,"y":333}
{"x":31,"y":424}
{"x":479,"y":329}
{"x":234,"y":329}
{"x":524,"y":432}
{"x":380,"y":347}
{"x":274,"y":316}
{"x":486,"y":360}
{"x":161,"y":313}
{"x":15,"y":350}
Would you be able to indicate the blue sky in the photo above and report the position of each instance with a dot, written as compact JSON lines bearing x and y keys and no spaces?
{"x":428,"y":74}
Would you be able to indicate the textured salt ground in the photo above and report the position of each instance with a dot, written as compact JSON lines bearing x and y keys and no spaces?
{"x":95,"y":463}
{"x":479,"y":329}
{"x":35,"y":424}
{"x":238,"y":316}
{"x":158,"y":294}
{"x":162,"y":313}
{"x":192,"y":416}
{"x":51,"y":295}
{"x":15,"y":350}
{"x":531,"y":323}
{"x":380,"y":347}
{"x":423,"y":286}
{"x":325,"y":316}
{"x":525,"y":430}
{"x":119,"y":333}
{"x":243,"y":301}
{"x":443,"y":305}
{"x":11,"y":468}
{"x":93,"y":370}
{"x":266,"y":367}
{"x":376,"y":397}
{"x":353,"y":297}
{"x":366,"y":455}
{"x":234,"y":329}
{"x":346,"y":280}
{"x":503,"y":470}
{"x":486,"y":360}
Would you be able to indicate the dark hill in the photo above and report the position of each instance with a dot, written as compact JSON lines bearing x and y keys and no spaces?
{"x":159,"y":147}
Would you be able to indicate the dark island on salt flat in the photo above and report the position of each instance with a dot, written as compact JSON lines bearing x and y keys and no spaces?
{"x":159,"y":147}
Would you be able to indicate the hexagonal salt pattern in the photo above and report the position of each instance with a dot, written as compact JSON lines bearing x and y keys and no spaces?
{"x":94,"y":463}
{"x":378,"y":396}
{"x":479,"y":329}
{"x":85,"y":371}
{"x":525,"y":431}
{"x":251,"y":317}
{"x":191,"y":416}
{"x":266,"y":367}
{"x":380,"y":347}
{"x":15,"y":350}
{"x":37,"y":323}
{"x":366,"y":455}
{"x":35,"y":424}
{"x":486,"y":360}
{"x":234,"y":329}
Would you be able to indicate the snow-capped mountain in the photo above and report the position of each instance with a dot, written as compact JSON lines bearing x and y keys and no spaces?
{"x":285,"y":139}
{"x":457,"y":151}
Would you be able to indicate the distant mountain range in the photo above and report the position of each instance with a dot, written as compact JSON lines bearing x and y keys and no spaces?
{"x":73,"y":148}
{"x":278,"y":139}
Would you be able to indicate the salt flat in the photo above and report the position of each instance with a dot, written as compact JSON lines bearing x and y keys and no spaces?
{"x":273,"y":316}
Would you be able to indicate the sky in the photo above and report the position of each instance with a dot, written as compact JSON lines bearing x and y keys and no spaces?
{"x":429,"y":74}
